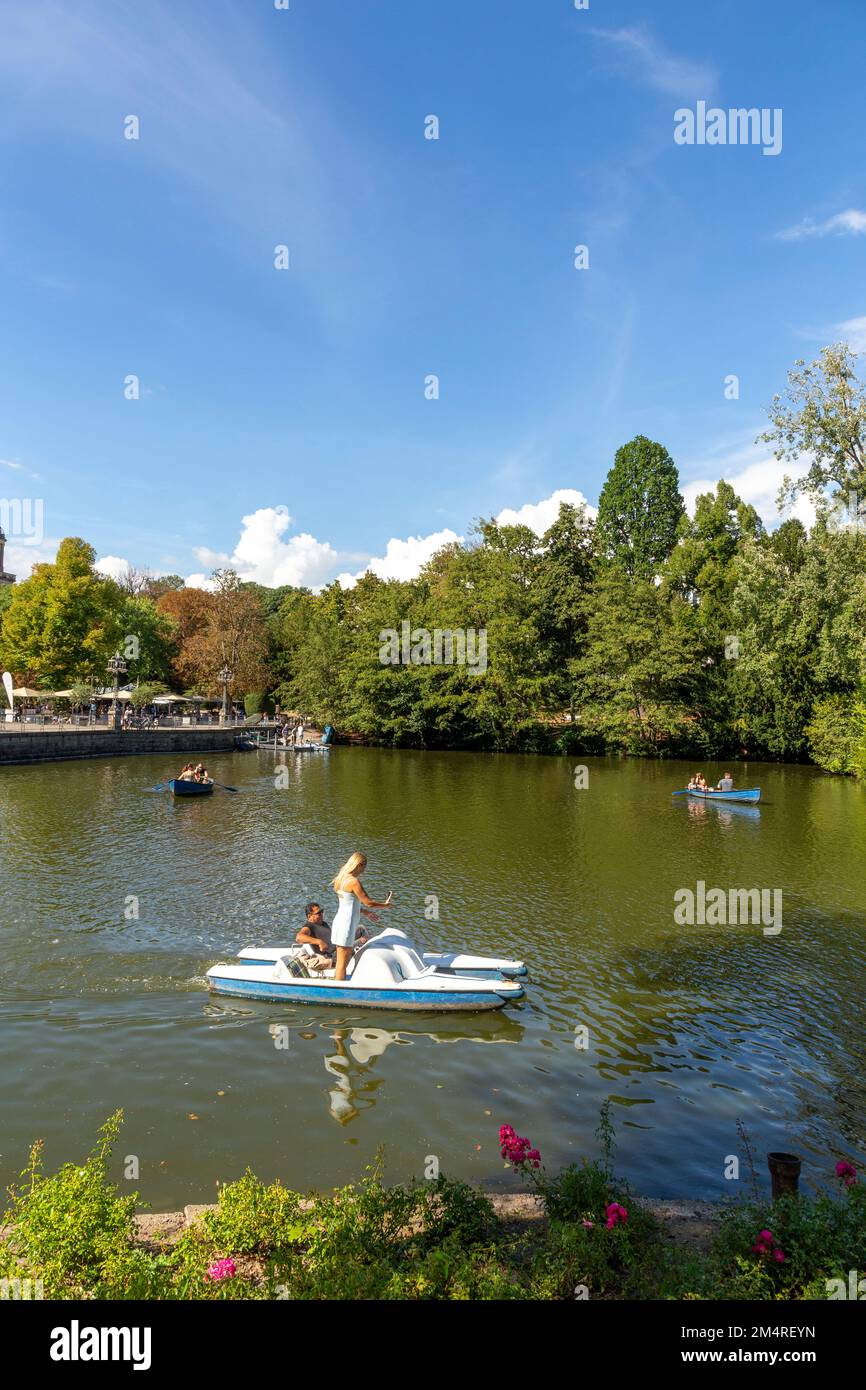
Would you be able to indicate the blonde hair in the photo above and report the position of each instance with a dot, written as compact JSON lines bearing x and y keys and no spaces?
{"x":354,"y":862}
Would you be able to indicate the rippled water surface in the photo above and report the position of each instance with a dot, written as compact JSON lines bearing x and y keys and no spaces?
{"x":690,"y":1028}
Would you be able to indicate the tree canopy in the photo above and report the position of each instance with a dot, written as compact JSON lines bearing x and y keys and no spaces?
{"x":648,"y":631}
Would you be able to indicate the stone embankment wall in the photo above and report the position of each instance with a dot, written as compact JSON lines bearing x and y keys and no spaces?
{"x":52,"y":745}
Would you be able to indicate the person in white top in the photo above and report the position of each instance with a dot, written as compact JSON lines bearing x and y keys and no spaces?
{"x":353,"y":900}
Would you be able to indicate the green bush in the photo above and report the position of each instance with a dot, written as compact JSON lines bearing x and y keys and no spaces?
{"x":73,"y":1230}
{"x":820,"y":1238}
{"x":836,"y":733}
{"x":422,"y":1240}
{"x":258,"y":703}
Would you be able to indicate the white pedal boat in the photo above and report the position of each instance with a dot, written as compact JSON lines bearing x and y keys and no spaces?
{"x":386,"y":973}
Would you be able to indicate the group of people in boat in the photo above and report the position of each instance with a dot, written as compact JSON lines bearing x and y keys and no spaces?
{"x":699,"y":783}
{"x":195,"y":772}
{"x":333,"y":945}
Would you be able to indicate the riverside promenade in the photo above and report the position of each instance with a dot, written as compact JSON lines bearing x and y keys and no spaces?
{"x":29,"y":744}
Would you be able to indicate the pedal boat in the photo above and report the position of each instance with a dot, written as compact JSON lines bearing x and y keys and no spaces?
{"x":385,"y":973}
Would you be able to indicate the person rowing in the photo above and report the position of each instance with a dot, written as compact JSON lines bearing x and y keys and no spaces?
{"x":726,"y":783}
{"x":353,"y":900}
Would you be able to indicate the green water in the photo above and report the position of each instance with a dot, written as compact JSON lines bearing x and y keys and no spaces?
{"x":690,"y":1028}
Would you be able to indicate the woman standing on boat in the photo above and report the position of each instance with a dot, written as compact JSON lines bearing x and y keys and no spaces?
{"x":353,"y":900}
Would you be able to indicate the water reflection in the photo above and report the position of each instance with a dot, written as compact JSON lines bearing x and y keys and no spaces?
{"x":358,"y":1049}
{"x":726,"y":813}
{"x":351,"y":1063}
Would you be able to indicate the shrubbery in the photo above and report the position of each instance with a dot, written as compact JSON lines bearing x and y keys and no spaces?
{"x":423,"y":1240}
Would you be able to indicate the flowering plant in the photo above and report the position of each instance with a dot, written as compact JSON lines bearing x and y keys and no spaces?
{"x":615,"y":1215}
{"x":517,"y":1151}
{"x":766,"y":1245}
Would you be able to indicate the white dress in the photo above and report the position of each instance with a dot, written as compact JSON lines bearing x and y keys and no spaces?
{"x":345,"y":923}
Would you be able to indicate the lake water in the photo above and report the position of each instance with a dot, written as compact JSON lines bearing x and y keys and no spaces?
{"x":689,"y":1027}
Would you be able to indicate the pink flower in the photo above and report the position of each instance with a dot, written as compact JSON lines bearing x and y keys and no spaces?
{"x":847,"y":1172}
{"x":615,"y":1213}
{"x":221,"y":1269}
{"x":587,"y":1225}
{"x":516,"y":1150}
{"x":766,"y":1245}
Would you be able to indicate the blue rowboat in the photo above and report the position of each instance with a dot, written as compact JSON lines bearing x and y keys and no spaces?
{"x":179,"y":788}
{"x":743,"y":794}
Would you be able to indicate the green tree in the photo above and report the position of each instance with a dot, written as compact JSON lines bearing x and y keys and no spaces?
{"x":836,"y":733}
{"x":639,"y":669}
{"x":163,"y":584}
{"x":640,"y":508}
{"x":148,"y":639}
{"x":822,"y":418}
{"x":146,"y":693}
{"x":564,"y":574}
{"x":64,"y":621}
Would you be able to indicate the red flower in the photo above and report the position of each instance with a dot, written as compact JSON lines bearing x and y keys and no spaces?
{"x":615,"y":1214}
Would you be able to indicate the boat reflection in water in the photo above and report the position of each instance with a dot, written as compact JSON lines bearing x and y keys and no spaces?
{"x":725,"y":812}
{"x":351,"y":1062}
{"x":358,"y":1049}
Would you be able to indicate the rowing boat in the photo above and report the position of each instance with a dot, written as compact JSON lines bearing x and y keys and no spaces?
{"x":741,"y":794}
{"x":177,"y":787}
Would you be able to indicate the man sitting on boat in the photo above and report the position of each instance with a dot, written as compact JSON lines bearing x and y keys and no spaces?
{"x":316,"y":933}
{"x":726,"y":784}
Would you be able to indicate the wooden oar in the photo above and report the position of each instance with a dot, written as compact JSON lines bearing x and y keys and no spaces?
{"x":226,"y":789}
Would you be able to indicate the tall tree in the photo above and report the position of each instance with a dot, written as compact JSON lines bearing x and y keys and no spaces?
{"x":224,"y":627}
{"x":564,"y":574}
{"x":639,"y":671}
{"x":640,"y":508}
{"x":822,"y":418}
{"x":63,"y":622}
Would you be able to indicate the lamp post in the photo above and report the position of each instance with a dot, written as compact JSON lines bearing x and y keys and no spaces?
{"x":117,"y":667}
{"x":226,"y":678}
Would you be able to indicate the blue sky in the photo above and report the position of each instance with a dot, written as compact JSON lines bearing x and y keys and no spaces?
{"x":296,"y":398}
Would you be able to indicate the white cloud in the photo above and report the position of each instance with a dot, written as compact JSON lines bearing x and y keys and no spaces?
{"x":264,"y":557}
{"x":756,"y":479}
{"x":657,"y":67}
{"x":403,"y":559}
{"x":852,"y":222}
{"x":540,"y":516}
{"x":113,"y":567}
{"x":10,"y":463}
{"x":854,"y":333}
{"x":199,"y":581}
{"x":20,"y":559}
